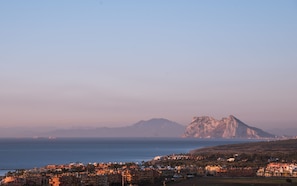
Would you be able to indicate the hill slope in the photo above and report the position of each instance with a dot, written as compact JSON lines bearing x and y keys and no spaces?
{"x":268,"y":147}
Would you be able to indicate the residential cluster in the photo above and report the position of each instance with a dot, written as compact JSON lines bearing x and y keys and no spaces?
{"x":159,"y":171}
{"x":278,"y":170}
{"x":99,"y":174}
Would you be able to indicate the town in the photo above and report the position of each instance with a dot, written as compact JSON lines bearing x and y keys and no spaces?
{"x":161,"y":170}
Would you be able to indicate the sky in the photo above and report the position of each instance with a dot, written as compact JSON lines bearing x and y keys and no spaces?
{"x":112,"y":63}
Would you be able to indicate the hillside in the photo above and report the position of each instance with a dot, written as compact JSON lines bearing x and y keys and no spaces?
{"x":267,"y":147}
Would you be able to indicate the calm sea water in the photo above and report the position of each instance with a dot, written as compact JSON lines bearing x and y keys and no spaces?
{"x":29,"y":153}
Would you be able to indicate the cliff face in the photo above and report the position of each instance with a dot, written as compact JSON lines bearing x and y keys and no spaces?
{"x":230,"y":127}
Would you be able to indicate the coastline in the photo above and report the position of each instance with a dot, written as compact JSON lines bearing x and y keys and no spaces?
{"x":18,"y":153}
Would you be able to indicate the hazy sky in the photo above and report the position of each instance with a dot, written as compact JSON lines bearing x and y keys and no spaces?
{"x":113,"y":63}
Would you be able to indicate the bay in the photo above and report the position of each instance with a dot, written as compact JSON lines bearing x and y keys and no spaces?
{"x":29,"y":153}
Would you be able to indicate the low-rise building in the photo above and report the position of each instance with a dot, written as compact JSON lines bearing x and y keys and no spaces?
{"x":278,"y":170}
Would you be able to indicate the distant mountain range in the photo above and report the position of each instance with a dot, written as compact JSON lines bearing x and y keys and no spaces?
{"x":200,"y":127}
{"x":230,"y":127}
{"x":157,"y":127}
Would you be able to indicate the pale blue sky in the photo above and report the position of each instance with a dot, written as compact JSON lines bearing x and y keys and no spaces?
{"x":113,"y":63}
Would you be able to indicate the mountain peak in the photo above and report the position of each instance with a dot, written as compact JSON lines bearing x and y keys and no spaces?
{"x":228,"y":127}
{"x":202,"y":118}
{"x":156,"y":127}
{"x":155,"y":122}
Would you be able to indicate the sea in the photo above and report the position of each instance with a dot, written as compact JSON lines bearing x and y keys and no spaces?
{"x":27,"y":153}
